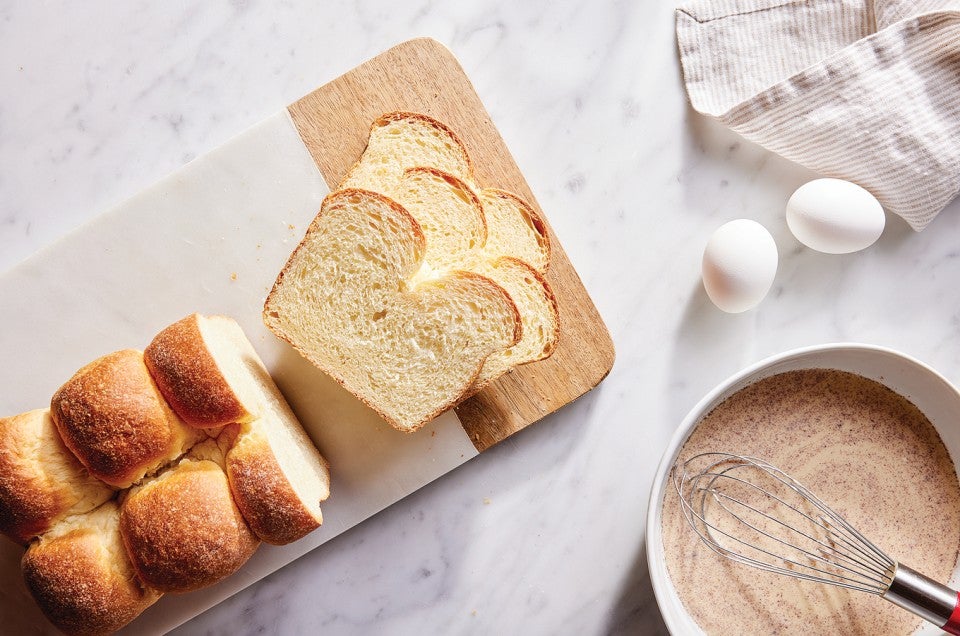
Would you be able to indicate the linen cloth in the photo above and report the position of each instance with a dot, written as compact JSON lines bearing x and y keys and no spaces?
{"x":863,"y":90}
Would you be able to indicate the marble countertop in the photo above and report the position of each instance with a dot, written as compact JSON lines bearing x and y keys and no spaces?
{"x":544,"y":533}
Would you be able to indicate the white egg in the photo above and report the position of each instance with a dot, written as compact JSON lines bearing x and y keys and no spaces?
{"x":739,"y":264}
{"x":835,"y":216}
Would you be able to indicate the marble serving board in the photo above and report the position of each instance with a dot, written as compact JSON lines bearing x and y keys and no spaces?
{"x":211,"y":238}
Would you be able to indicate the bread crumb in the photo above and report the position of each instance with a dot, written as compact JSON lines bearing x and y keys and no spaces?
{"x":486,"y":501}
{"x":433,"y":433}
{"x":473,"y":613}
{"x":233,"y":276}
{"x":291,"y":226}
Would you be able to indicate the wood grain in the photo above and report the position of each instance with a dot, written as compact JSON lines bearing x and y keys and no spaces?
{"x":423,"y":76}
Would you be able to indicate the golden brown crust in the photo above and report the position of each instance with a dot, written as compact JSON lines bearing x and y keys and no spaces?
{"x":535,"y":219}
{"x":83,"y":584}
{"x":183,"y":531}
{"x":113,"y":418}
{"x":264,"y":495}
{"x":190,"y":379}
{"x":40,"y":479}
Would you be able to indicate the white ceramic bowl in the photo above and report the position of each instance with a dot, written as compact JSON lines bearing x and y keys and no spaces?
{"x":937,"y":398}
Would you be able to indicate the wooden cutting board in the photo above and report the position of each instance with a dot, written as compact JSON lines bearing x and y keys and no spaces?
{"x":423,"y":76}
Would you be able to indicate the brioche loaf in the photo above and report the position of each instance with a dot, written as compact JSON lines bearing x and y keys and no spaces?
{"x":111,"y":415}
{"x":41,"y":482}
{"x":80,"y":576}
{"x":277,"y":476}
{"x":182,"y":529}
{"x":347,"y":302}
{"x":178,"y":523}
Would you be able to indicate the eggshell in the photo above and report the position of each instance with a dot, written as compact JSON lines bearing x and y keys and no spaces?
{"x":835,"y":216}
{"x":739,"y":265}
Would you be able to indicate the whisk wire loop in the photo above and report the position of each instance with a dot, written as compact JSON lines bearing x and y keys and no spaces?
{"x":840,"y":555}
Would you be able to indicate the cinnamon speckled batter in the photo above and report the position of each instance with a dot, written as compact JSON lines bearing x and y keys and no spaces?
{"x":868,"y":453}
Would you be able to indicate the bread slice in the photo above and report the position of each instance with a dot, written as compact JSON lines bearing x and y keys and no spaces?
{"x":450,"y":215}
{"x":514,"y":229}
{"x":538,"y":308}
{"x":81,"y":578}
{"x":346,"y":300}
{"x":182,"y":529}
{"x":459,"y":235}
{"x":41,"y":482}
{"x":277,"y":476}
{"x":402,"y":140}
{"x":111,"y":415}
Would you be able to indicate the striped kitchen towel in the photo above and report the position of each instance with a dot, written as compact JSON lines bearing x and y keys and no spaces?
{"x":863,"y":90}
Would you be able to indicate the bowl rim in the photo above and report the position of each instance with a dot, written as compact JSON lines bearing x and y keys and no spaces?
{"x":662,"y":586}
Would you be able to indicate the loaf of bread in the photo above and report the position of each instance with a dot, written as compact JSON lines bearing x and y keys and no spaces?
{"x":348,"y":301}
{"x":113,"y":418}
{"x":277,"y":475}
{"x":182,"y":529}
{"x":41,"y":481}
{"x":80,"y":575}
{"x":195,"y":499}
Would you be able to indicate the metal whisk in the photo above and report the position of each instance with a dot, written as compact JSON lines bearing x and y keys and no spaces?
{"x":753,"y":513}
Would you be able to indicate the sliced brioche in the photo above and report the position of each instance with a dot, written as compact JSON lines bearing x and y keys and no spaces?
{"x":449,"y":214}
{"x":538,"y":307}
{"x":111,"y":415}
{"x":404,"y":140}
{"x":514,"y":229}
{"x":464,"y":229}
{"x":182,"y":529}
{"x":400,"y":142}
{"x":277,"y":476}
{"x":80,"y":576}
{"x":345,"y":301}
{"x":459,"y":236}
{"x":41,"y":482}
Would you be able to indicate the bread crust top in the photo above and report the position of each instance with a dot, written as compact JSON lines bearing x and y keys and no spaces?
{"x":112,"y":416}
{"x":190,"y":379}
{"x":183,"y":530}
{"x":82,"y":580}
{"x":40,"y":479}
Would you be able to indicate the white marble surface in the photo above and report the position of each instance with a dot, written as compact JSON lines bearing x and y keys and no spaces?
{"x":543,"y":534}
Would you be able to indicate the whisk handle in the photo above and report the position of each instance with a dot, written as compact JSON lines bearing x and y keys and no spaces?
{"x":926,"y":598}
